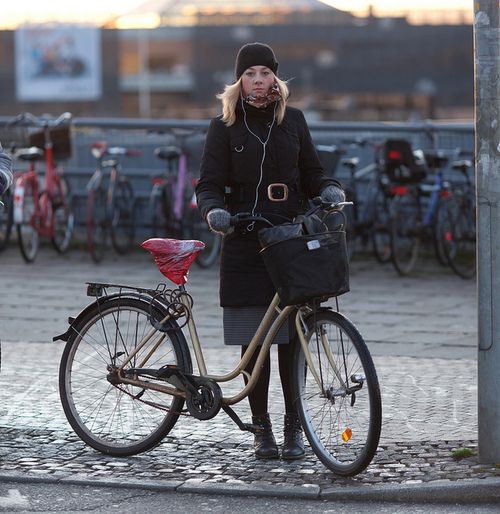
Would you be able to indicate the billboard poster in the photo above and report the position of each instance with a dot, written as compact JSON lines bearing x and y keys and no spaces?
{"x":58,"y":63}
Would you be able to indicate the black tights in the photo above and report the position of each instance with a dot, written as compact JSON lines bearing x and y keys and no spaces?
{"x":258,"y":398}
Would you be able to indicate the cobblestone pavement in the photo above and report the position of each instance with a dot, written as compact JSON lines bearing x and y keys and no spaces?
{"x":421,"y":330}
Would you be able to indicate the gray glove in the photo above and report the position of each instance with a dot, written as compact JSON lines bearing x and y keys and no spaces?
{"x":332,"y":194}
{"x":219,"y":221}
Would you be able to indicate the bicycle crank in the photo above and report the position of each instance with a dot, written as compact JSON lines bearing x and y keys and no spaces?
{"x":205,"y":402}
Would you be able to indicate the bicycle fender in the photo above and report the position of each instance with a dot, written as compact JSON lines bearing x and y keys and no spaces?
{"x":75,"y":322}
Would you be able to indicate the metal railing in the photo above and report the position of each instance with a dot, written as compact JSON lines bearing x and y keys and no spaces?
{"x":147,"y":134}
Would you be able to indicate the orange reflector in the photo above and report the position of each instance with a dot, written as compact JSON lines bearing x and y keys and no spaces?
{"x":346,"y":434}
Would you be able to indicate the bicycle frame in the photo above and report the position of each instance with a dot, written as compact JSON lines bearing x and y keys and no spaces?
{"x":267,"y":327}
{"x":43,"y":219}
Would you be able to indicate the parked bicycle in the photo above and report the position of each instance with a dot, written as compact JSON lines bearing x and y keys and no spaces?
{"x":126,"y":370}
{"x":368,"y":218}
{"x":174,"y":211}
{"x":458,"y":223}
{"x":417,"y":207}
{"x":110,"y":206}
{"x":47,"y":212}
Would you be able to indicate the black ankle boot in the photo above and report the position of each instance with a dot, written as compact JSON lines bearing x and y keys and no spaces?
{"x":264,"y":442}
{"x":293,"y":446}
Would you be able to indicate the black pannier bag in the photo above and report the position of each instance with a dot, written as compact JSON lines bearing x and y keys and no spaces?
{"x":401,"y":165}
{"x":305,"y":266}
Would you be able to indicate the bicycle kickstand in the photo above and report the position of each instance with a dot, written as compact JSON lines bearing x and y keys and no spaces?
{"x":246,"y":427}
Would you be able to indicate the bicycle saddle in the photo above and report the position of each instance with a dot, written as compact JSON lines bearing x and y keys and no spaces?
{"x":173,"y":257}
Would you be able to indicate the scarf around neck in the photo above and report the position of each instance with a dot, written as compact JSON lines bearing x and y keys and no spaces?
{"x":272,"y":95}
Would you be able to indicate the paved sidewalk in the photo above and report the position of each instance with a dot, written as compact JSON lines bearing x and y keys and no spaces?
{"x":421,"y":331}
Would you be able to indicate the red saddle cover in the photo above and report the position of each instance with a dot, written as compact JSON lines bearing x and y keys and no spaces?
{"x":173,"y":256}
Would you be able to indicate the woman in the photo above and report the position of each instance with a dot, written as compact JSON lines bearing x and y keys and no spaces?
{"x":258,"y":141}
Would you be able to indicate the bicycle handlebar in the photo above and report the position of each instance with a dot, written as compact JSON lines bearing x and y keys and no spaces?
{"x":318,"y":205}
{"x":27,"y":119}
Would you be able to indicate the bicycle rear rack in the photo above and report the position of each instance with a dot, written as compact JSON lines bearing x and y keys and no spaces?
{"x":177,"y":302}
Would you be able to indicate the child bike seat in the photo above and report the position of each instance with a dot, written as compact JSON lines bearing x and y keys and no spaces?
{"x":173,"y":257}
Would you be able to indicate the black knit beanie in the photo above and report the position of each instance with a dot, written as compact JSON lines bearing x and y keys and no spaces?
{"x":255,"y":54}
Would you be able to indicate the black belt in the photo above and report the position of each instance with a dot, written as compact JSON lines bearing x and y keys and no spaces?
{"x":237,"y":193}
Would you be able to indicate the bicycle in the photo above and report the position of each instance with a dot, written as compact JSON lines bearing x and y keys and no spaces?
{"x":458,"y":224}
{"x":416,"y":209}
{"x":368,"y":221}
{"x":126,"y":370}
{"x":174,"y":211}
{"x":48,"y":212}
{"x":110,"y":209}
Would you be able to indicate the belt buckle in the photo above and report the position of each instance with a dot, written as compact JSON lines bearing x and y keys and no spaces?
{"x":277,"y":192}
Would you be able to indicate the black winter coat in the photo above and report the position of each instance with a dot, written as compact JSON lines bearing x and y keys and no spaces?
{"x":230,"y":179}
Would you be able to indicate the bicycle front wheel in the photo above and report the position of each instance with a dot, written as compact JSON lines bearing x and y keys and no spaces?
{"x":27,"y":233}
{"x":112,"y":417}
{"x":96,"y":223}
{"x":405,"y":233}
{"x":122,"y":210}
{"x":63,"y":218}
{"x":338,"y":399}
{"x":5,"y":219}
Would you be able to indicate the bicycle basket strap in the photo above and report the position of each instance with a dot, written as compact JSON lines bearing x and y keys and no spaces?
{"x":307,"y":267}
{"x":270,"y":235}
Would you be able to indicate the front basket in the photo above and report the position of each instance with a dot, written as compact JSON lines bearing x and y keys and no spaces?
{"x":308,"y":267}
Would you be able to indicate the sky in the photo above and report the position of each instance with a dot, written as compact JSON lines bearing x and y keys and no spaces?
{"x":17,"y":11}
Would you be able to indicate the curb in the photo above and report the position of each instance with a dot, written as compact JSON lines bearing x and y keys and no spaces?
{"x":477,"y":490}
{"x":467,"y":491}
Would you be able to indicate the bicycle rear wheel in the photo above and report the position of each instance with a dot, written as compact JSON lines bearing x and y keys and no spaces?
{"x":115,"y":418}
{"x":340,"y":409}
{"x":122,"y":227}
{"x":6,"y":219}
{"x":64,"y":220}
{"x":97,"y":223}
{"x":405,"y":233}
{"x":459,"y":235}
{"x":27,"y":233}
{"x":158,"y":222}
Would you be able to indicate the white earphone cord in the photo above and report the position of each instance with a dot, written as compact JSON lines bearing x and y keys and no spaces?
{"x":264,"y":145}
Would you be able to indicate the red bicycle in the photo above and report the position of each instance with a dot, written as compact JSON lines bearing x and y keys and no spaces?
{"x":46,"y":211}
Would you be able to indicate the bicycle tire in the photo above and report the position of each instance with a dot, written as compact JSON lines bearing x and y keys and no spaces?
{"x":158,"y":222}
{"x":380,"y":233}
{"x":27,"y":233}
{"x":460,"y":235}
{"x":119,"y":419}
{"x":97,"y":223}
{"x":122,"y":226}
{"x":438,"y":234}
{"x":63,"y":217}
{"x":197,"y":228}
{"x":342,"y":426}
{"x":405,"y":233}
{"x":6,"y":219}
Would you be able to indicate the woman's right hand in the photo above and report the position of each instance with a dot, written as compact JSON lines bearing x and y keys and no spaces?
{"x":219,"y":221}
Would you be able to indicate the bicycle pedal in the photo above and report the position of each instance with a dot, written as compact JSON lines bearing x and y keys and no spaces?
{"x":254,"y":429}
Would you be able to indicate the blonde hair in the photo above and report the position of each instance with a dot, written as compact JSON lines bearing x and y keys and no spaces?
{"x":232,"y":94}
